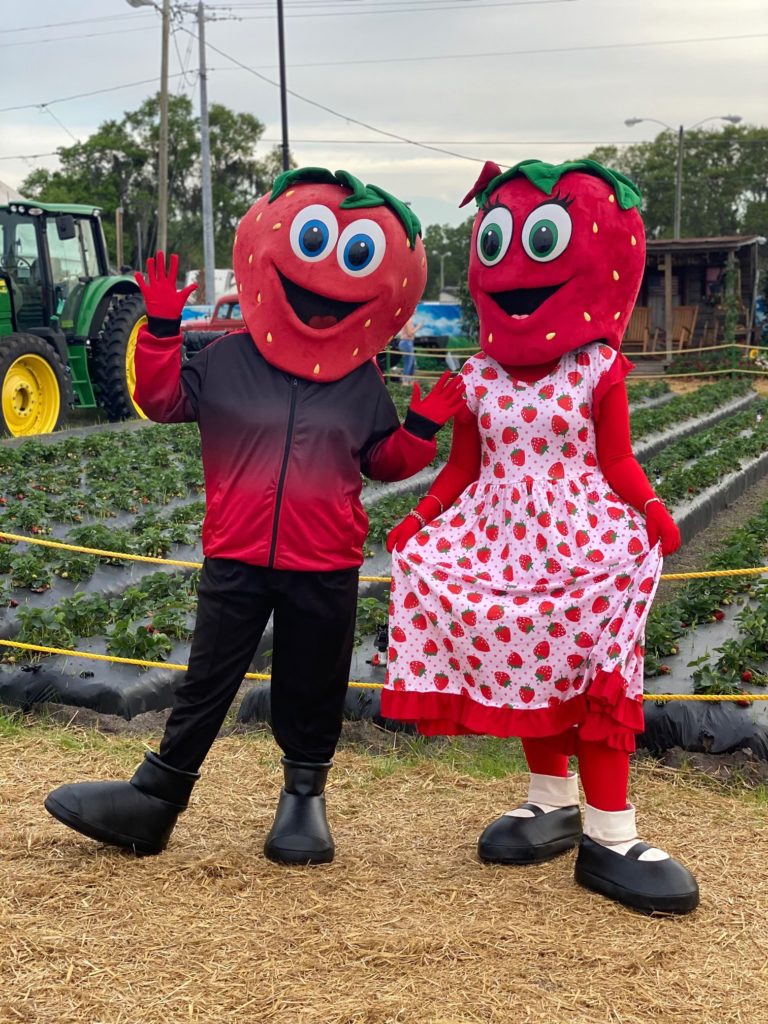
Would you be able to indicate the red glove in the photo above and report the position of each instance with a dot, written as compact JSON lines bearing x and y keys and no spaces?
{"x":399,"y":536}
{"x":162,"y":300}
{"x":661,"y":527}
{"x":444,"y":400}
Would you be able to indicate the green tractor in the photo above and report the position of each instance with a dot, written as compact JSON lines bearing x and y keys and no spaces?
{"x":68,"y":327}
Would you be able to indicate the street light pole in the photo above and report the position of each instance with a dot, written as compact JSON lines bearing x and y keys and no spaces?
{"x":678,"y":209}
{"x":283,"y":85}
{"x":209,"y":248}
{"x":679,"y":184}
{"x":162,"y":163}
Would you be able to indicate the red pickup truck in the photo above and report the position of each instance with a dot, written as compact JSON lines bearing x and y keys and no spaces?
{"x":226,"y":317}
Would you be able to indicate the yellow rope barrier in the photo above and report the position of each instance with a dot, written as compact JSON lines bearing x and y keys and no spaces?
{"x":38,"y":649}
{"x":60,"y":545}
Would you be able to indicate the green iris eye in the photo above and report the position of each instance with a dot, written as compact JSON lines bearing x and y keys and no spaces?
{"x":491,"y":241}
{"x":543,"y":237}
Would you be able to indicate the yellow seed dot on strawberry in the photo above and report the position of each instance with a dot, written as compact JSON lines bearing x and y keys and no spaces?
{"x":398,"y":311}
{"x":269,"y":337}
{"x":275,"y":227}
{"x":354,"y":352}
{"x":633,"y":240}
{"x":240,"y":287}
{"x":258,"y":215}
{"x":611,"y":198}
{"x":551,"y":335}
{"x":490,"y":338}
{"x":616,"y":316}
{"x":405,"y":282}
{"x":290,"y":191}
{"x":594,"y":227}
{"x":316,"y":370}
{"x":615,"y":275}
{"x":367,"y":322}
{"x":258,"y":297}
{"x":587,"y":317}
{"x":236,"y":234}
{"x":250,"y":258}
{"x":423,"y":261}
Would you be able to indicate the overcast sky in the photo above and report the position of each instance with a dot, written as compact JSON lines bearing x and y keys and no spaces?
{"x":451,"y":73}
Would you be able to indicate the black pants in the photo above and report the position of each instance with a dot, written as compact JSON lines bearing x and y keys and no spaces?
{"x":314,"y":628}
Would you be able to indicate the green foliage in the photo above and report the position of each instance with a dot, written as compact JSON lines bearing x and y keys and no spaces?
{"x":685,"y":407}
{"x":445,"y":239}
{"x":117,"y":166}
{"x":725,"y":179}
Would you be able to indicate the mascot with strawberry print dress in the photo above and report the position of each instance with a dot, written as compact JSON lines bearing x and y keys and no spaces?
{"x":522,"y":581}
{"x":290,"y":412}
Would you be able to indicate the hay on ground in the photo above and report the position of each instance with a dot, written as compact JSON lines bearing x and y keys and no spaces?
{"x":406,"y":927}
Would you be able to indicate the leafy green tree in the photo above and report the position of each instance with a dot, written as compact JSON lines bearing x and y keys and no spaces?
{"x":117,"y":165}
{"x":724,"y":184}
{"x":451,"y":242}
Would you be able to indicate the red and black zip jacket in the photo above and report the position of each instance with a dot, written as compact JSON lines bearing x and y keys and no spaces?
{"x":282,"y":456}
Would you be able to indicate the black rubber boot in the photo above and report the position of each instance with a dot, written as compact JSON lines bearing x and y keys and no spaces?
{"x":300,"y":833}
{"x":652,"y":886}
{"x":511,"y":840}
{"x":138,"y":815}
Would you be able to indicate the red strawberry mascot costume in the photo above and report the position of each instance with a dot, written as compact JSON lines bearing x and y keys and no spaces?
{"x":523,"y":580}
{"x":290,"y":411}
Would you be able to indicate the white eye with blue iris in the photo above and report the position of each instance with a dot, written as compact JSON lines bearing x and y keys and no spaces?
{"x":547,"y":232}
{"x":313,"y":233}
{"x":361,"y":248}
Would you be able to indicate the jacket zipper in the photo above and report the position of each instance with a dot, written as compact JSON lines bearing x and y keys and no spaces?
{"x":283,"y":470}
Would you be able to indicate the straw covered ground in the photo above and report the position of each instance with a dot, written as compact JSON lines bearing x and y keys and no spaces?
{"x":406,"y":927}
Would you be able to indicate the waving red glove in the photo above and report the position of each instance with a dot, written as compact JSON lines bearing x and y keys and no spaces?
{"x":399,"y":536}
{"x":661,"y":527}
{"x":162,"y":300}
{"x":444,"y":400}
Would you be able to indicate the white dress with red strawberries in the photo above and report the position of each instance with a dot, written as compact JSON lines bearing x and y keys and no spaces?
{"x":521,"y":610}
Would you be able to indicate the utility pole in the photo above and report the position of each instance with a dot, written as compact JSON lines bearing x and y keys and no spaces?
{"x":283,"y":86}
{"x":209,"y":249}
{"x":162,"y":163}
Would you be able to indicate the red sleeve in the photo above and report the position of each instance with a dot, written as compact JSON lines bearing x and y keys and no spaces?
{"x":461,"y":469}
{"x":616,"y":373}
{"x":159,"y":390}
{"x":614,"y":447}
{"x":398,"y":456}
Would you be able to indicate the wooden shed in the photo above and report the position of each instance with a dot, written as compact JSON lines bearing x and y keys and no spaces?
{"x":689,"y":274}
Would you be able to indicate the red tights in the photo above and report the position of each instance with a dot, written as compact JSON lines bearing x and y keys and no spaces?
{"x":604,"y":771}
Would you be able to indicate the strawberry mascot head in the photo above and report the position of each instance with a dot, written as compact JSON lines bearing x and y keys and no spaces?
{"x":556,"y":259}
{"x":328,"y":271}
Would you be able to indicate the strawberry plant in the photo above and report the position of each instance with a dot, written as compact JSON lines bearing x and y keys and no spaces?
{"x":29,"y":572}
{"x":43,"y":627}
{"x":127,"y":640}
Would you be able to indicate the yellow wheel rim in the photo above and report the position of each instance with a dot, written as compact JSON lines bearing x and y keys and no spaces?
{"x":31,"y":396}
{"x":130,"y":365}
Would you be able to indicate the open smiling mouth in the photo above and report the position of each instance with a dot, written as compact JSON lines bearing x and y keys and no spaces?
{"x":317,"y":311}
{"x":519,"y":303}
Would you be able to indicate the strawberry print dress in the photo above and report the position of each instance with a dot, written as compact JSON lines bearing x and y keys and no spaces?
{"x":521,"y":610}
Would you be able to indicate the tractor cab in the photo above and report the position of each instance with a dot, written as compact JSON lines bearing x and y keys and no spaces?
{"x":56,"y":290}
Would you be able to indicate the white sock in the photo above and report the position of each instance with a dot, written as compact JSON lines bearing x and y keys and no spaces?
{"x":617,"y":830}
{"x":549,"y":792}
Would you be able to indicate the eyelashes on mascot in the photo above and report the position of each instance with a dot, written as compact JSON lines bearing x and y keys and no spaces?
{"x":556,"y":259}
{"x":328,"y":271}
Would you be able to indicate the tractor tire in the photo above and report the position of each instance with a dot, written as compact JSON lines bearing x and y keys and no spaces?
{"x":112,"y":358}
{"x":35,"y":387}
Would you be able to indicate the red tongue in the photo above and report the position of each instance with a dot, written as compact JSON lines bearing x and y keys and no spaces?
{"x":319,"y":322}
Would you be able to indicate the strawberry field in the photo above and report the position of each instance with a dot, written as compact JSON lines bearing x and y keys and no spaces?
{"x":138,"y":489}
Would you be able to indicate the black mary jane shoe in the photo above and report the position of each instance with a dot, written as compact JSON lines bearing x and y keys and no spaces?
{"x":138,"y":815}
{"x":513,"y":840}
{"x":300,"y":832}
{"x":649,"y":886}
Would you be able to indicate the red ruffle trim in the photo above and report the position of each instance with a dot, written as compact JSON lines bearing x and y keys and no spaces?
{"x":604,"y":714}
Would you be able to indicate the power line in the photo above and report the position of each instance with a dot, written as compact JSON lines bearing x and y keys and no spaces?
{"x":66,"y":39}
{"x":93,"y":92}
{"x":357,"y":11}
{"x":82,"y":21}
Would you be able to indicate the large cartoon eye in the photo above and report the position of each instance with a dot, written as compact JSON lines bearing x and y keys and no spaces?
{"x":361,"y":248}
{"x":547,"y":232}
{"x":494,"y":235}
{"x":313,"y":233}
